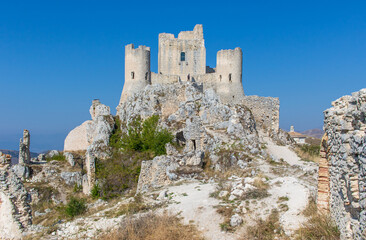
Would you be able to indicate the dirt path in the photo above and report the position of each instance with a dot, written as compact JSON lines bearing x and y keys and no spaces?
{"x":194,"y":204}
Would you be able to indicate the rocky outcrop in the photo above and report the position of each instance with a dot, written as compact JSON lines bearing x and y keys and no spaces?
{"x":15,"y":212}
{"x":24,"y":153}
{"x":201,"y":123}
{"x":101,"y":130}
{"x":345,"y":151}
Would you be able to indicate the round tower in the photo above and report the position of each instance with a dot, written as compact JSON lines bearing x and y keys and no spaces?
{"x":137,"y":70}
{"x":229,"y":74}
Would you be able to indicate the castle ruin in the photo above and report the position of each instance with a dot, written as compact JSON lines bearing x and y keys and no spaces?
{"x":184,"y":59}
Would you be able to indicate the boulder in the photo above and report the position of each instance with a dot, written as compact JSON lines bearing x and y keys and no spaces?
{"x":236,"y":220}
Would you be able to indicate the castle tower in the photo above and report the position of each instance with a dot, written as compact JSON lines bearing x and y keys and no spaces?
{"x":182,"y":56}
{"x":137,"y":70}
{"x":229,"y":74}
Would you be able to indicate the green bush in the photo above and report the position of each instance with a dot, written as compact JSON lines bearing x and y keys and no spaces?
{"x":146,"y":136}
{"x":120,"y":172}
{"x":95,"y":192}
{"x":75,"y":207}
{"x":60,"y":157}
{"x":312,"y":150}
{"x":115,"y":138}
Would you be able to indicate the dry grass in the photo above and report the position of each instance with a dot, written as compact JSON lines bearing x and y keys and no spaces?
{"x":306,"y":155}
{"x":226,"y":212}
{"x":267,"y":229}
{"x":154,"y":227}
{"x":318,"y":226}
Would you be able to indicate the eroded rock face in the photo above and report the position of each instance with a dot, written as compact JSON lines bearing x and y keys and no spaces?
{"x":15,"y":212}
{"x":101,"y":130}
{"x":345,"y":150}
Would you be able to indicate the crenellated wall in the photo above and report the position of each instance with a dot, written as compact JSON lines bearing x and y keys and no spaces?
{"x":344,"y":155}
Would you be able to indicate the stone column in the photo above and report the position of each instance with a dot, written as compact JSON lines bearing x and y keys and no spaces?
{"x":24,"y":153}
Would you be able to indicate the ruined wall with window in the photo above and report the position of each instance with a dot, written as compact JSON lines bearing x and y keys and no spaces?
{"x":182,"y":56}
{"x":345,"y":152}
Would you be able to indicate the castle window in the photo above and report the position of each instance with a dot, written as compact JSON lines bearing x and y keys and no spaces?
{"x":230,"y":77}
{"x":220,"y":77}
{"x":146,"y":75}
{"x":133,"y":75}
{"x":182,"y":56}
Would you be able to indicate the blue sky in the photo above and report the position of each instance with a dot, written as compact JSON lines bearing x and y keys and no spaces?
{"x":56,"y":56}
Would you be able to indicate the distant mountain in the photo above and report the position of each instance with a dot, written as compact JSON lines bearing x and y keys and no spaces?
{"x":15,"y":154}
{"x":316,"y":133}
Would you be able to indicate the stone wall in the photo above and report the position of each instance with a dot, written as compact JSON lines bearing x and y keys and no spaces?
{"x":15,"y":211}
{"x":266,"y":112}
{"x":345,"y":152}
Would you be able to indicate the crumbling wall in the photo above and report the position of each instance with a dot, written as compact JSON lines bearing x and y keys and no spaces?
{"x":345,"y":127}
{"x":266,"y":112}
{"x":15,"y":211}
{"x":24,"y":153}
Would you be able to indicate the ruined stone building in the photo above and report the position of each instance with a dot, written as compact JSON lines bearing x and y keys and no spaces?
{"x":342,"y":168}
{"x":184,"y":59}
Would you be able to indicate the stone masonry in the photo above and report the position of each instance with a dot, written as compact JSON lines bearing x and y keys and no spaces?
{"x":15,"y":211}
{"x":24,"y":153}
{"x":184,"y":59}
{"x":344,"y":151}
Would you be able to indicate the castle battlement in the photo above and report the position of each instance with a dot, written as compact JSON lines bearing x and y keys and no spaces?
{"x":184,"y":59}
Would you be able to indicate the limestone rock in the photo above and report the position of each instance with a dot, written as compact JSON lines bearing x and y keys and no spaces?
{"x":72,"y":178}
{"x":41,"y":157}
{"x":70,"y":158}
{"x":52,"y":153}
{"x":236,"y":220}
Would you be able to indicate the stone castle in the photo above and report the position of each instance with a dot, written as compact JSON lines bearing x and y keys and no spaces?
{"x":184,"y":59}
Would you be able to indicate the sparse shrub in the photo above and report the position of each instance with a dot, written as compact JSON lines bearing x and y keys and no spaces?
{"x":77,"y":188}
{"x":226,"y":212}
{"x":318,"y":226}
{"x":308,"y":152}
{"x":267,"y":229}
{"x":59,"y":157}
{"x":146,"y":136}
{"x":75,"y":207}
{"x":256,"y":194}
{"x":95,"y":192}
{"x":153,"y":227}
{"x":313,"y":150}
{"x":115,"y":138}
{"x":120,"y":172}
{"x":259,"y":192}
